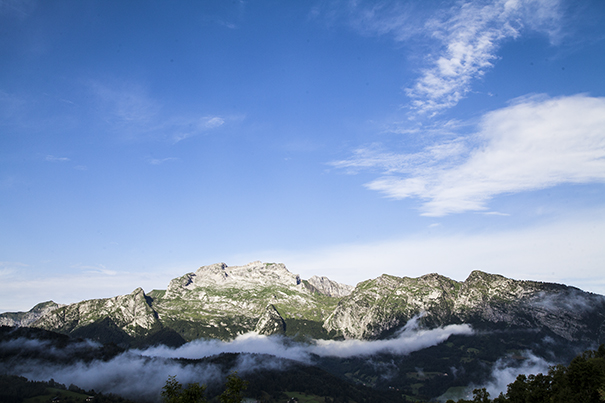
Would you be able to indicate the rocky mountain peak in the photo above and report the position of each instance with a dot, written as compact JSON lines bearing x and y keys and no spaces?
{"x":433,"y":278}
{"x":270,"y":322}
{"x":481,"y":285}
{"x":138,"y":291}
{"x":27,"y":318}
{"x":330,"y":288}
{"x":219,"y":275}
{"x":478,"y":276}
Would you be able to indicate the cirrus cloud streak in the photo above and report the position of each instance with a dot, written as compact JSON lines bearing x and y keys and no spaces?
{"x":535,"y":143}
{"x":470,"y":34}
{"x":462,"y":39}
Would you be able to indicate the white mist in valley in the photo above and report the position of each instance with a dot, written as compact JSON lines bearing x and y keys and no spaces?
{"x":507,"y":369}
{"x":406,"y":341}
{"x":140,"y":374}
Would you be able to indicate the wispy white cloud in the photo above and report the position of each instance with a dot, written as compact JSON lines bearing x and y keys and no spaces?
{"x":409,"y":339}
{"x":212,"y":122}
{"x":81,"y":283}
{"x":507,"y":369}
{"x":9,"y":269}
{"x":231,"y":16}
{"x":533,"y":144}
{"x":96,"y":269}
{"x":12,"y":264}
{"x":134,"y":114}
{"x":374,"y":157}
{"x":470,"y":34}
{"x":159,"y":161}
{"x":203,"y":124}
{"x":52,"y":158}
{"x":495,"y":213}
{"x":227,"y":24}
{"x":245,"y":343}
{"x":126,"y":105}
{"x":464,"y":37}
{"x":17,"y":8}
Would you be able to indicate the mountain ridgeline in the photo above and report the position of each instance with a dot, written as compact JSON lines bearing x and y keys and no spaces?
{"x":218,"y":301}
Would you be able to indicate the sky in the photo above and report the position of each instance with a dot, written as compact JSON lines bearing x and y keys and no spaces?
{"x":141,"y":140}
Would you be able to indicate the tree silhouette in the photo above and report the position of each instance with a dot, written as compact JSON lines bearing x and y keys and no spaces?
{"x":173,"y":392}
{"x":234,"y":389}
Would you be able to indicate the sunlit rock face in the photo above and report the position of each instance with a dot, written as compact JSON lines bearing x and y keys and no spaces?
{"x":131,"y":313}
{"x":219,"y":275}
{"x":377,"y":306}
{"x":228,"y":301}
{"x":219,"y":301}
{"x":270,"y":322}
{"x":27,"y":318}
{"x":330,"y":288}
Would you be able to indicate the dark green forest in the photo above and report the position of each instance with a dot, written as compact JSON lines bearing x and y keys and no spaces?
{"x":17,"y":389}
{"x":582,"y":381}
{"x":419,"y":376}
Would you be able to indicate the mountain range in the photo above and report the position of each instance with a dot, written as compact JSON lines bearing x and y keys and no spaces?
{"x":429,"y":337}
{"x":218,"y":301}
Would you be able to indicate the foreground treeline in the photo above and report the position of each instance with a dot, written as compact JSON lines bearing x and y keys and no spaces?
{"x":175,"y":392}
{"x":276,"y":385}
{"x":332,"y":380}
{"x":582,"y":381}
{"x":16,"y":389}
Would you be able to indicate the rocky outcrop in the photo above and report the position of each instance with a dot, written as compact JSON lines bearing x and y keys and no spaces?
{"x":328,"y":287}
{"x":131,"y":313}
{"x":270,"y":322}
{"x":377,"y":306}
{"x":204,"y":298}
{"x":219,"y":275}
{"x":23,"y":319}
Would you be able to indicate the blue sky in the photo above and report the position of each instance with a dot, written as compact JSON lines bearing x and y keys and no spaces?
{"x":141,"y":140}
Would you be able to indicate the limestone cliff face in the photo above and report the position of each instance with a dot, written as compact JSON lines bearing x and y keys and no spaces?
{"x":241,"y":294}
{"x":328,"y":287}
{"x":387,"y":302}
{"x":379,"y":305}
{"x":220,"y":276}
{"x":270,"y":322}
{"x":218,"y":301}
{"x":18,"y":319}
{"x":130,"y":312}
{"x":214,"y":301}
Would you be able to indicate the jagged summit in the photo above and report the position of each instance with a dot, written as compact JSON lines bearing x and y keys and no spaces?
{"x":219,"y":275}
{"x":270,"y":322}
{"x":379,"y":305}
{"x":27,"y":318}
{"x":252,"y":273}
{"x":330,"y":288}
